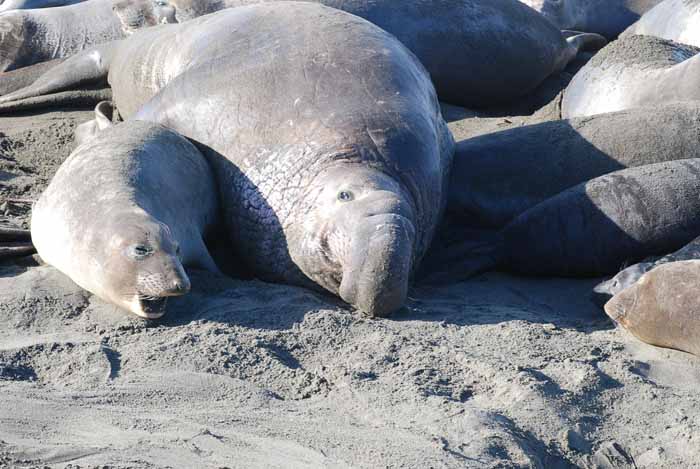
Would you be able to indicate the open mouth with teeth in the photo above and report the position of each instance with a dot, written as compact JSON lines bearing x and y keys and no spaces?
{"x":152,"y":308}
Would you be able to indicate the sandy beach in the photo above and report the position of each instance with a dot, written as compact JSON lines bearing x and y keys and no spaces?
{"x":497,"y":371}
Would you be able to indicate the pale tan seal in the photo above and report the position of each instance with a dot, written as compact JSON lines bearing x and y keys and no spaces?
{"x":125,"y":212}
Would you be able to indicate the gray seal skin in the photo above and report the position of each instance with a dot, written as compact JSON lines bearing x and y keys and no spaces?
{"x":634,"y":71}
{"x":332,"y":158}
{"x":606,"y":17}
{"x":591,"y":229}
{"x":594,"y":228}
{"x":29,"y":37}
{"x":629,"y":276}
{"x":663,"y":307}
{"x":487,"y":187}
{"x":123,"y":214}
{"x":474,"y":50}
{"x":676,"y":20}
{"x":8,"y":5}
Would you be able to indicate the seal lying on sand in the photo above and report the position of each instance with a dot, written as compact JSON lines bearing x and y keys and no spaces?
{"x":28,"y":37}
{"x":474,"y":50}
{"x":593,"y":228}
{"x":629,"y":276}
{"x":663,"y":307}
{"x":677,"y":20}
{"x":332,"y":158}
{"x":606,"y":17}
{"x":634,"y":71}
{"x":487,"y":187}
{"x":123,"y":214}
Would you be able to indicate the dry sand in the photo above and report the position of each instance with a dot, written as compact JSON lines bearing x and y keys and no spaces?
{"x":498,"y":371}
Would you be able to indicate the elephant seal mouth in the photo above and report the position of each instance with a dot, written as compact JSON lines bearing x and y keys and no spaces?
{"x":152,"y":308}
{"x":376,"y":278}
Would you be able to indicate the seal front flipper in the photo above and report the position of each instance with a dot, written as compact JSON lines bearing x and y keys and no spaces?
{"x":460,"y":253}
{"x":87,"y":67}
{"x":579,"y":42}
{"x":15,"y":242}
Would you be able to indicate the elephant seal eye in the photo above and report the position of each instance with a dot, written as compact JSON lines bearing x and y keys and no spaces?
{"x":345,"y":196}
{"x":139,"y":251}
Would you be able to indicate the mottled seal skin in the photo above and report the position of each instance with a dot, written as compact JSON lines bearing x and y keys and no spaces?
{"x":332,"y":158}
{"x":29,"y":37}
{"x":8,"y":5}
{"x":676,"y":20}
{"x":629,"y":276}
{"x":663,"y":307}
{"x":472,"y":49}
{"x":606,"y":17}
{"x":634,"y":71}
{"x":123,"y":214}
{"x":487,"y":187}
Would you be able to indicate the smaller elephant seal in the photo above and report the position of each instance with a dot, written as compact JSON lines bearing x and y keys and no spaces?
{"x":663,"y":307}
{"x":125,"y":212}
{"x":29,"y":37}
{"x":591,"y":229}
{"x":634,"y":71}
{"x":487,"y":188}
{"x":629,"y":276}
{"x":676,"y":20}
{"x":472,"y":49}
{"x":606,"y":17}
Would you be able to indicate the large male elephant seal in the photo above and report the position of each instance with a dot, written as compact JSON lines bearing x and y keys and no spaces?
{"x":29,"y":37}
{"x":663,"y":307}
{"x":606,"y":17}
{"x":478,"y":53}
{"x":325,"y":133}
{"x":634,"y":71}
{"x":487,"y":186}
{"x":676,"y":20}
{"x":123,"y":214}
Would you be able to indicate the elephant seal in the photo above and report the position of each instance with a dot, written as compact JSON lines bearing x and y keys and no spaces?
{"x":606,"y":17}
{"x":472,"y":49}
{"x":634,"y":71}
{"x":487,"y":187}
{"x":591,"y":229}
{"x":629,"y":276}
{"x":8,"y":5}
{"x":29,"y":37}
{"x":662,"y":307}
{"x":123,"y":214}
{"x":332,"y":158}
{"x":676,"y":20}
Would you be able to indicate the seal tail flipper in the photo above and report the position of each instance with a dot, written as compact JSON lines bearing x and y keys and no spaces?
{"x":17,"y":79}
{"x":86,"y":67}
{"x":456,"y":261}
{"x":15,"y":242}
{"x":579,"y":42}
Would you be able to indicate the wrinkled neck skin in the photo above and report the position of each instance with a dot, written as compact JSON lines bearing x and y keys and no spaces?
{"x":357,"y":237}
